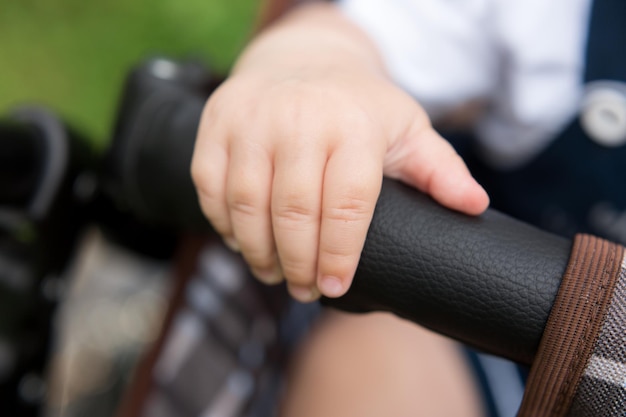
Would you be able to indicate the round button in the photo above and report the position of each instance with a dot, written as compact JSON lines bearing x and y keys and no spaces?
{"x":603,"y":115}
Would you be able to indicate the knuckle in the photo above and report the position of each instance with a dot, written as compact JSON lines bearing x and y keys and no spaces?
{"x":199,"y":175}
{"x":294,"y":215}
{"x":244,"y":205}
{"x":349,"y":209}
{"x":245,"y":200}
{"x":337,"y":252}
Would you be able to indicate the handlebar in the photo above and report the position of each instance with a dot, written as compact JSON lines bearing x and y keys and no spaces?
{"x":488,"y":281}
{"x":492,"y":282}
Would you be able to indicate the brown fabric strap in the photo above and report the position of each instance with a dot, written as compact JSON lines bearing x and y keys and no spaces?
{"x":572,"y":328}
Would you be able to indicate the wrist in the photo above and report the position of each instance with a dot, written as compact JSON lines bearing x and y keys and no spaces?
{"x":315,"y":38}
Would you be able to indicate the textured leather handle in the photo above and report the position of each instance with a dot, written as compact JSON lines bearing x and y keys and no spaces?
{"x":488,"y":281}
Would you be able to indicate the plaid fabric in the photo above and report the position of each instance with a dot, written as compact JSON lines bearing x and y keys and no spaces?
{"x":602,"y":389}
{"x":224,"y":354}
{"x":216,"y":353}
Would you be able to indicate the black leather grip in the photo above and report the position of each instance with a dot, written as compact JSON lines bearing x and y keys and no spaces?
{"x":488,"y":281}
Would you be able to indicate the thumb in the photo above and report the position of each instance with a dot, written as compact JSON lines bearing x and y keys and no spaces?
{"x":429,"y":163}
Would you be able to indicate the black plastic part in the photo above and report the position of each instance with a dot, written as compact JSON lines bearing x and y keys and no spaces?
{"x":148,"y":169}
{"x":22,"y":151}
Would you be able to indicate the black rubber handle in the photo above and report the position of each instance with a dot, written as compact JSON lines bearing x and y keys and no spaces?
{"x":488,"y":281}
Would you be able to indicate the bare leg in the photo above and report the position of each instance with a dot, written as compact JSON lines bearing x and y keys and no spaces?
{"x":378,"y":365}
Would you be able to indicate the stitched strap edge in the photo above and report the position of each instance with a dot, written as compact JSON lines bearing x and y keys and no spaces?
{"x":572,"y":327}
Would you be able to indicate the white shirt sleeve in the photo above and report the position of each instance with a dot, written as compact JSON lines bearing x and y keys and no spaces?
{"x":526,"y":57}
{"x":542,"y":46}
{"x":439,"y":51}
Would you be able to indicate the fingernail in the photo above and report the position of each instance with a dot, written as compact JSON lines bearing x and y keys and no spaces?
{"x":269,"y":276}
{"x":232,"y":244}
{"x":303,"y":294}
{"x":331,"y":286}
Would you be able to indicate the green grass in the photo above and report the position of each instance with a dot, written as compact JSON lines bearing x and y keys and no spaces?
{"x":72,"y":55}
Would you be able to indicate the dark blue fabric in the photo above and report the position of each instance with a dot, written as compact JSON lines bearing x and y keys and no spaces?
{"x":501,"y":383}
{"x":606,"y":45}
{"x":558,"y":190}
{"x":484,"y":383}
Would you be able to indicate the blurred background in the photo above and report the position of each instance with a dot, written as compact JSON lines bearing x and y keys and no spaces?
{"x":77,"y":310}
{"x":72,"y":55}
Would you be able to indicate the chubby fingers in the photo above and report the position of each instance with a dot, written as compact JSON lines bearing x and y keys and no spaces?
{"x":300,"y":210}
{"x":248,"y":188}
{"x":351,"y":187}
{"x":323,"y":200}
{"x":233,"y":177}
{"x":296,"y":210}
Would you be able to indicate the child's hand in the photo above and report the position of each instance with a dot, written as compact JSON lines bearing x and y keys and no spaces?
{"x":289,"y":162}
